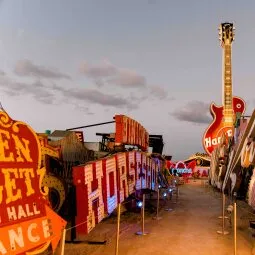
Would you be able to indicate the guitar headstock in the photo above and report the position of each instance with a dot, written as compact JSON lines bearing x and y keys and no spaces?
{"x":226,"y":33}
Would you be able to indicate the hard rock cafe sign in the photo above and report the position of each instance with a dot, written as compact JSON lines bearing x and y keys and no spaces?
{"x":27,"y":224}
{"x":223,"y":116}
{"x":213,"y":139}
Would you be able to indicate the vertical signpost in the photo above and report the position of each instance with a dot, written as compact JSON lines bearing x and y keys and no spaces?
{"x":118,"y":230}
{"x":27,"y":223}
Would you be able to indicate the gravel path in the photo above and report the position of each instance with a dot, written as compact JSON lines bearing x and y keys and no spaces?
{"x":189,"y":229}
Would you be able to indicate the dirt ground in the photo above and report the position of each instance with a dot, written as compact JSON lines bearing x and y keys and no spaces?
{"x":191,"y":228}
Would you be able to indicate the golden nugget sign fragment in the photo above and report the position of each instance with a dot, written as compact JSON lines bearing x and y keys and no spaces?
{"x":26,"y":221}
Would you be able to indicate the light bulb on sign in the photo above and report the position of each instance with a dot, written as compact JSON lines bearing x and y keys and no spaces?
{"x":139,"y":204}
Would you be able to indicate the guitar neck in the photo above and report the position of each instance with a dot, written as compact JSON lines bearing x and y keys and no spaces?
{"x":227,"y":86}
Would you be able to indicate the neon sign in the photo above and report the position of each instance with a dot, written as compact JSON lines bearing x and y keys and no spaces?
{"x":183,"y":170}
{"x":26,"y":220}
{"x":130,"y":132}
{"x":211,"y":141}
{"x":102,"y":184}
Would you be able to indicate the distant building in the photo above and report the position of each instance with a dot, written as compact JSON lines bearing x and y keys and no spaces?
{"x":58,"y":135}
{"x":97,"y":148}
{"x":202,"y":159}
{"x":199,"y":162}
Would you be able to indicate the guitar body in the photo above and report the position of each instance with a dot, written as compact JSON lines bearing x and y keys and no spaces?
{"x":213,"y":133}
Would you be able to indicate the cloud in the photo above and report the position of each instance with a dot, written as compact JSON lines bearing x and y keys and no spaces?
{"x":45,"y":91}
{"x":107,"y":73}
{"x":136,"y":98}
{"x":104,"y":69}
{"x":91,"y":96}
{"x":128,"y":79}
{"x":195,"y":112}
{"x":36,"y":89}
{"x":84,"y":109}
{"x":97,"y":97}
{"x":49,"y":93}
{"x":158,"y":92}
{"x":153,"y":92}
{"x":27,"y":68}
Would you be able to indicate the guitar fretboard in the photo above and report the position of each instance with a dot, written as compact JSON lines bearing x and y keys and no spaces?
{"x":227,"y":93}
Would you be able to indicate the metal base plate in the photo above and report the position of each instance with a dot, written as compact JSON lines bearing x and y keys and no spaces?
{"x":140,"y":233}
{"x":157,"y":218}
{"x":225,"y":217}
{"x":224,"y":233}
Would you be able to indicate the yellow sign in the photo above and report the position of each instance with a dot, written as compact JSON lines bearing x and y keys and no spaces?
{"x":26,"y":222}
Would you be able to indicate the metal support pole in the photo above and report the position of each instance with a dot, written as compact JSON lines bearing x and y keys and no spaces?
{"x":157,"y":216}
{"x":143,"y":214}
{"x":157,"y":203}
{"x":118,"y":230}
{"x":168,"y":209}
{"x":177,"y":193}
{"x":223,"y":198}
{"x":143,"y":233}
{"x":223,"y":232}
{"x":235,"y":228}
{"x":61,"y":250}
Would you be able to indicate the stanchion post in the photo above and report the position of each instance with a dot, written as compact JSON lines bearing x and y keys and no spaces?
{"x":118,"y":230}
{"x":171,"y":194}
{"x":143,"y":213}
{"x":143,"y":233}
{"x":61,"y":249}
{"x":223,"y":232}
{"x":157,"y":216}
{"x":177,"y":192}
{"x":235,"y":228}
{"x":223,"y":207}
{"x":166,"y":198}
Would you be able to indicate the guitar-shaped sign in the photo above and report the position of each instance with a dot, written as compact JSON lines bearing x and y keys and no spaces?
{"x":224,"y":116}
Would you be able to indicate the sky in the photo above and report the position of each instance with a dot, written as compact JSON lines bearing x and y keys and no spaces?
{"x":68,"y":63}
